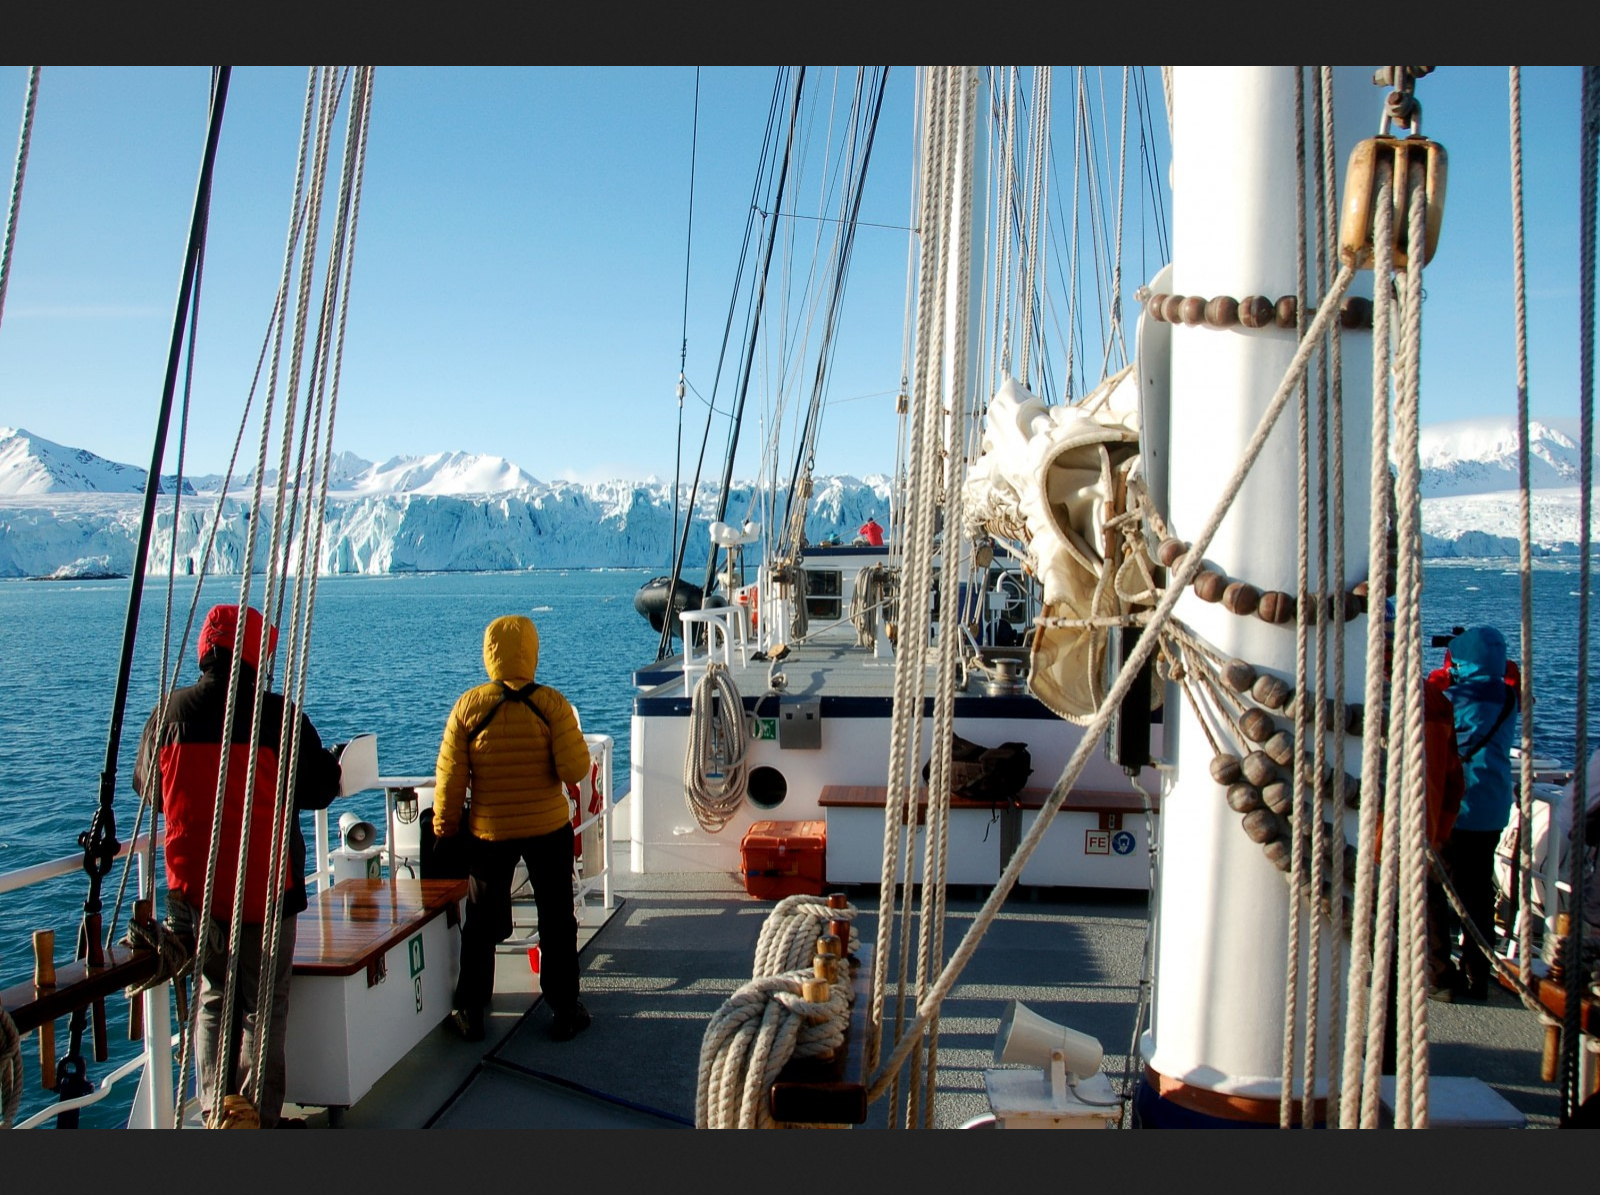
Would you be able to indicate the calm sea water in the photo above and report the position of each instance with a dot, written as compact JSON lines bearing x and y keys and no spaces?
{"x":390,"y":655}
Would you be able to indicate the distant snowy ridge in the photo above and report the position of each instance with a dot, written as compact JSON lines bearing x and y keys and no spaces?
{"x":30,"y":464}
{"x":1479,"y":456}
{"x":65,"y":512}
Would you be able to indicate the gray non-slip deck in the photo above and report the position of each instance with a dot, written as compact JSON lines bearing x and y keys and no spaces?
{"x":678,"y":945}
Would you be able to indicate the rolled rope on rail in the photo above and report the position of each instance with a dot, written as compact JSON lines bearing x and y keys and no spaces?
{"x":174,"y":952}
{"x":756,"y":1033}
{"x":789,"y":935}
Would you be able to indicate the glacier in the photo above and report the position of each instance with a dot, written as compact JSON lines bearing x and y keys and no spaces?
{"x":66,"y":513}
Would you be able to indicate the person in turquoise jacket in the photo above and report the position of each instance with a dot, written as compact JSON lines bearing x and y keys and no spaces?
{"x":1485,"y":730}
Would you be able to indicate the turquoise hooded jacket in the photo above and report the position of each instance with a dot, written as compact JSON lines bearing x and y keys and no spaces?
{"x":1486,"y":726}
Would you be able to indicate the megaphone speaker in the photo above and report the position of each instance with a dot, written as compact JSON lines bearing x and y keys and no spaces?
{"x":356,"y":834}
{"x":1025,"y":1038}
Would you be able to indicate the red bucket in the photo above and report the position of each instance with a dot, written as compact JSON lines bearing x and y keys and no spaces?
{"x":533,"y":959}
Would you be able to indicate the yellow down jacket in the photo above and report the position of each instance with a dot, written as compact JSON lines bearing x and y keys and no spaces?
{"x":516,"y":764}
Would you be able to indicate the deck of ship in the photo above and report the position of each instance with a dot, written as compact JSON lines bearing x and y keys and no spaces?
{"x":675,"y":946}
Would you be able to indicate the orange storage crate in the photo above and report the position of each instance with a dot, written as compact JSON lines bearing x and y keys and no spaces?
{"x":781,"y":859}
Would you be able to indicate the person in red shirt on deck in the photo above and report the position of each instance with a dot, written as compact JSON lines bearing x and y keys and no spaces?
{"x":871,"y":532}
{"x":180,"y":755}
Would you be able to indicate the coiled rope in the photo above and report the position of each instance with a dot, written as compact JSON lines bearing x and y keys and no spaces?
{"x":777,"y":1016}
{"x":789,"y":934}
{"x":715,"y":765}
{"x":753,"y":1036}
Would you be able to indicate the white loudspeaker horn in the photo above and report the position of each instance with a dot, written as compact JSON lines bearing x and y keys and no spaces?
{"x":1027,"y":1039}
{"x":356,"y":834}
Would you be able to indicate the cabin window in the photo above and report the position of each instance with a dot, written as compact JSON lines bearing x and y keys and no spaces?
{"x":824,"y":594}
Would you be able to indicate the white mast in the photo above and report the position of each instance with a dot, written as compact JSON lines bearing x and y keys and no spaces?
{"x":1220,"y":963}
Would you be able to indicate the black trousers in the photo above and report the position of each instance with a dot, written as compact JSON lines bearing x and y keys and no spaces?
{"x":1469,"y":859}
{"x":488,"y":921}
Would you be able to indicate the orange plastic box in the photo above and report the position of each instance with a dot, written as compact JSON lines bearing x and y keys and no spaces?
{"x":781,"y":859}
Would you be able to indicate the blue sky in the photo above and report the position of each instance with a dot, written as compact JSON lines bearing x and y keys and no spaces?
{"x":520,"y":273}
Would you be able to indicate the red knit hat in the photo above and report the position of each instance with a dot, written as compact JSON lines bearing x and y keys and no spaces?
{"x":222,"y":624}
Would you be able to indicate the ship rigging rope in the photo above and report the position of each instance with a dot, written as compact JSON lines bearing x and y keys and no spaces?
{"x":905,"y":743}
{"x":1413,"y":984}
{"x":1519,"y":288}
{"x":1147,"y":644}
{"x":753,"y":1036}
{"x":1357,"y":1020}
{"x":1305,"y":702}
{"x":327,"y":362}
{"x":325,"y":91}
{"x":1571,"y":1044}
{"x":24,"y":141}
{"x":716,"y":764}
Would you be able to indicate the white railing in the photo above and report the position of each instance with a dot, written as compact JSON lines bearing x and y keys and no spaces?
{"x":401,"y":791}
{"x":153,"y":1103}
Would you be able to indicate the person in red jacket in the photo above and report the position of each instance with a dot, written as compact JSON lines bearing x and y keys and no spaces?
{"x":871,"y":532}
{"x":180,"y":755}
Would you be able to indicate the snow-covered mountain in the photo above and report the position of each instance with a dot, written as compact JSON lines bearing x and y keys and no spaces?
{"x":67,"y":512}
{"x":1479,"y":456}
{"x":30,"y":464}
{"x":448,"y":512}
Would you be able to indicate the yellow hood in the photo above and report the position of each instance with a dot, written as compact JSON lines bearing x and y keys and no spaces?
{"x":511,"y":648}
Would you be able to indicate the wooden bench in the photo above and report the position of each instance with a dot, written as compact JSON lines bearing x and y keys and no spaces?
{"x":374,"y":971}
{"x":1098,"y":837}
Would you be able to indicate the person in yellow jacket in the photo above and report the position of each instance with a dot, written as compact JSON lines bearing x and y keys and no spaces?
{"x":514,"y":744}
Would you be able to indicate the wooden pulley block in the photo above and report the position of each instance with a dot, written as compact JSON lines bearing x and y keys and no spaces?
{"x":1276,"y":607}
{"x":1241,"y":597}
{"x":1279,"y":797}
{"x":1261,"y":826}
{"x":1279,"y":854}
{"x":1271,"y":691}
{"x":1356,"y":247}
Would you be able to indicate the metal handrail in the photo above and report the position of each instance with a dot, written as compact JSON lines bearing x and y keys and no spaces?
{"x":35,"y":873}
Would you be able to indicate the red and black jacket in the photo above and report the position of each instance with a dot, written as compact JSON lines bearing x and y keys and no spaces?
{"x":187,"y":751}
